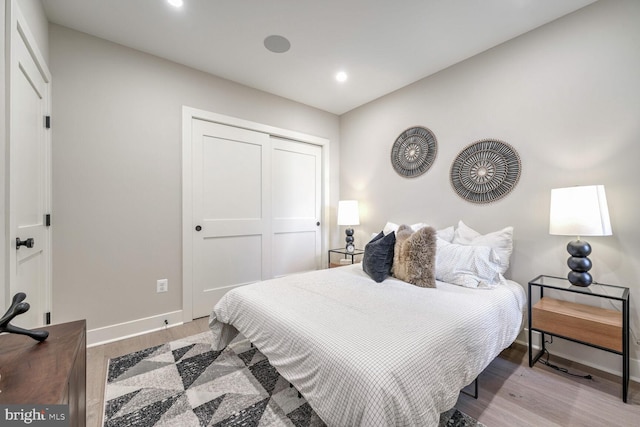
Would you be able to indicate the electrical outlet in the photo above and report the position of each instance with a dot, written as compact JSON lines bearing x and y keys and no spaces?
{"x":162,"y":285}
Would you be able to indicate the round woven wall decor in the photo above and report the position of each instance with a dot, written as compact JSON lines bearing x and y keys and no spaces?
{"x":414,"y":151}
{"x":485,"y":171}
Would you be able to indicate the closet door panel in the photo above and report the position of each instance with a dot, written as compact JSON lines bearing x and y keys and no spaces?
{"x":231,"y":225}
{"x":296,"y":192}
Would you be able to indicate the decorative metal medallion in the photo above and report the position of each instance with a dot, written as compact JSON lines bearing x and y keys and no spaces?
{"x":485,"y":171}
{"x":414,"y":151}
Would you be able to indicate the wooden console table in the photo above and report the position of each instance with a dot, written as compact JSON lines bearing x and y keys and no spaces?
{"x":51,"y":372}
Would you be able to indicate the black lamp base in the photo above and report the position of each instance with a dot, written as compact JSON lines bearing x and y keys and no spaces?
{"x":579,"y":263}
{"x":349,"y":236}
{"x":582,"y":279}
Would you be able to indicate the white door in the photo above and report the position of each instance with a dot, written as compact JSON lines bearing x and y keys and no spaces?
{"x":296,"y":206}
{"x":230,"y":231}
{"x":256,"y":209}
{"x":29,"y":176}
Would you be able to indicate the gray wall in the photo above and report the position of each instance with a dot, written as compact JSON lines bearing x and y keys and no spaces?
{"x":117,"y":171}
{"x":565,"y":96}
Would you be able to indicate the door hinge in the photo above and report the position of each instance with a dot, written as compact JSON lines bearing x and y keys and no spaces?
{"x":47,"y":122}
{"x":47,"y":318}
{"x":47,"y":220}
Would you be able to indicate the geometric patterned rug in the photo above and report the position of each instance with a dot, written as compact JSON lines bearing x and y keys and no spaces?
{"x":184,"y":383}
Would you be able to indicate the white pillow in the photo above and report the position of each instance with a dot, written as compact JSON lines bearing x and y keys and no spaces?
{"x":501,"y":241}
{"x":390,"y":227}
{"x":417,"y":226}
{"x":466,"y":265}
{"x":445,"y":233}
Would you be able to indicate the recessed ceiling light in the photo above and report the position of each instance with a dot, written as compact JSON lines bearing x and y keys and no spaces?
{"x":277,"y":44}
{"x":176,"y":3}
{"x":341,"y":76}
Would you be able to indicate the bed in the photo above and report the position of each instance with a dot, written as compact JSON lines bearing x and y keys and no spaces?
{"x":372,"y":354}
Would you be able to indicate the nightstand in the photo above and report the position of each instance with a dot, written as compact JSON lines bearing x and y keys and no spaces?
{"x":345,"y":254}
{"x":603,"y":328}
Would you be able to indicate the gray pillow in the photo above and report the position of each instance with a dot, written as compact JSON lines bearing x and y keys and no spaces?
{"x":378,"y":256}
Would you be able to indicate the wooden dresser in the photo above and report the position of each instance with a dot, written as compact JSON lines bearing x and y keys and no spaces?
{"x":51,"y":372}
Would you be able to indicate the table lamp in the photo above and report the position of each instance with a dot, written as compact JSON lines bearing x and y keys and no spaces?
{"x":348,"y":215}
{"x":579,"y":211}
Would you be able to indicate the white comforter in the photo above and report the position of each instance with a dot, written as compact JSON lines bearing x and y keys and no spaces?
{"x":372,"y":354}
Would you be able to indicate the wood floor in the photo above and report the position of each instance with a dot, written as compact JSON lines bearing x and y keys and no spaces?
{"x":511,"y":393}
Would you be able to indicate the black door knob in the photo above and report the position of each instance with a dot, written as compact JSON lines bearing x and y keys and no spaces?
{"x":198,"y":228}
{"x":28,"y":243}
{"x":318,"y":223}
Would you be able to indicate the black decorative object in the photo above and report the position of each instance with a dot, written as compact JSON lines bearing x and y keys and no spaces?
{"x":414,"y":151}
{"x":485,"y":171}
{"x":579,"y":263}
{"x":19,"y":307}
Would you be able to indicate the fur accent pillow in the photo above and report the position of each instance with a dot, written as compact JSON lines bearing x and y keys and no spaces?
{"x":415,"y":256}
{"x":399,"y":270}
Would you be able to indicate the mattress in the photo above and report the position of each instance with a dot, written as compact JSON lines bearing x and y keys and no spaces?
{"x":372,"y":354}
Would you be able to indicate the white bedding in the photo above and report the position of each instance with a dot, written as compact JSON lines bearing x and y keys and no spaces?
{"x":372,"y":354}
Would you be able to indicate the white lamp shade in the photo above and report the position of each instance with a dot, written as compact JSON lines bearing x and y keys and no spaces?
{"x":348,"y":212}
{"x":579,"y":211}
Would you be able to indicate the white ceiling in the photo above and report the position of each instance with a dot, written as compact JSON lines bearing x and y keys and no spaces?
{"x":383,"y":45}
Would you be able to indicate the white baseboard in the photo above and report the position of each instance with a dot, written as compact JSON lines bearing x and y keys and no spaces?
{"x":133,"y":328}
{"x":585,"y":355}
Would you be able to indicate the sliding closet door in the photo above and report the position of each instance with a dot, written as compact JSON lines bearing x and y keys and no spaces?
{"x":256,"y":209}
{"x":296,"y":194}
{"x":231,"y":205}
